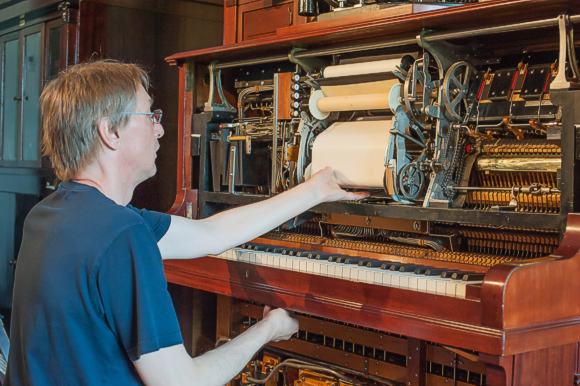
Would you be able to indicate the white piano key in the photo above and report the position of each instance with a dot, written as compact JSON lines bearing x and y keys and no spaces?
{"x":354,"y":274}
{"x":441,"y":287}
{"x":346,"y":271}
{"x":324,"y":269}
{"x":378,"y":277}
{"x":422,"y":283}
{"x":432,"y":285}
{"x":451,"y":287}
{"x":414,"y":282}
{"x":310,"y":267}
{"x":351,"y":272}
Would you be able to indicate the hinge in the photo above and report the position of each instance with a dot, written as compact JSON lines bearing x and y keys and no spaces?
{"x":576,"y":379}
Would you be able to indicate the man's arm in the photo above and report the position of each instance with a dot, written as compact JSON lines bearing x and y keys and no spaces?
{"x":213,"y":235}
{"x":172,"y":366}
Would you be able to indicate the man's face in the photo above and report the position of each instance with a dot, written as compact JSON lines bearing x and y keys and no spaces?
{"x":140,"y":141}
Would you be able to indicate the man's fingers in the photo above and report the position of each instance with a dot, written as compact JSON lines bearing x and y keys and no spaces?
{"x":357,"y":195}
{"x":267,"y":309}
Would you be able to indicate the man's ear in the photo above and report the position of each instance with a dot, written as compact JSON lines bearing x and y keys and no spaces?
{"x":109,"y":137}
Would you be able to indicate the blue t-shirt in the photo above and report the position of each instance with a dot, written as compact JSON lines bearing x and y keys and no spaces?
{"x":90,"y":294}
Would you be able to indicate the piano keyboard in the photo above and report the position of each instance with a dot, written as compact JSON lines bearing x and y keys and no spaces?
{"x":384,"y":273}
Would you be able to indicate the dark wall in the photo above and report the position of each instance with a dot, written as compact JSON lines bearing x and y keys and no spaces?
{"x":146,"y":32}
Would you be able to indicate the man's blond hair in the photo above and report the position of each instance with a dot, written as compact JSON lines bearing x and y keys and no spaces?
{"x":73,"y":104}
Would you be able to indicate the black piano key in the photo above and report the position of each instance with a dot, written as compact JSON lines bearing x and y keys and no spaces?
{"x":407,"y":268}
{"x":333,"y":258}
{"x":352,"y":260}
{"x":374,"y":263}
{"x":447,"y":274}
{"x":395,"y":266}
{"x":386,"y":264}
{"x":363,"y":262}
{"x":322,"y":256}
{"x":434,"y":271}
{"x":421,"y":269}
{"x":341,"y":259}
{"x":457,"y":275}
{"x":472,"y":276}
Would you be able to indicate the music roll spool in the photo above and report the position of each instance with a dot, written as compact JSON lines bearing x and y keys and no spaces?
{"x":374,"y":67}
{"x":351,"y":97}
{"x":355,"y":151}
{"x":375,"y":87}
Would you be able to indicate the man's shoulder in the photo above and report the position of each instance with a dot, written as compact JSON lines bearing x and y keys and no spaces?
{"x":84,"y":210}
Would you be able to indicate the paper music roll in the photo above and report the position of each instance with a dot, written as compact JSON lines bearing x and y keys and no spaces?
{"x":353,"y":103}
{"x":375,"y":67}
{"x":377,"y":87}
{"x":356,"y":152}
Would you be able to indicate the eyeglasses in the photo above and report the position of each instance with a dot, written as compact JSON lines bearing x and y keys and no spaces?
{"x":155,"y":116}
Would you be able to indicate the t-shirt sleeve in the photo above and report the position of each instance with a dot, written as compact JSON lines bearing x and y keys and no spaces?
{"x":158,"y":222}
{"x":133,"y":291}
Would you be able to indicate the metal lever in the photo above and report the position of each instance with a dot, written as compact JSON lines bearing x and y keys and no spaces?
{"x":566,"y":55}
{"x":232,"y":169}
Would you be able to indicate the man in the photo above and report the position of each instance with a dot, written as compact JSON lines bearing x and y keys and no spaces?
{"x":90,"y":299}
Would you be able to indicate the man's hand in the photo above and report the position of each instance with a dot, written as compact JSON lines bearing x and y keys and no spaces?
{"x":326,"y":187}
{"x":282,"y":325}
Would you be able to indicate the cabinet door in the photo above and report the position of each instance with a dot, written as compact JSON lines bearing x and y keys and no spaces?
{"x":10,"y":97}
{"x":258,"y":20}
{"x":31,"y":78}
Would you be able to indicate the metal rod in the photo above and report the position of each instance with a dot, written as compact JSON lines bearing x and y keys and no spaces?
{"x":536,"y":24}
{"x":275,"y":136}
{"x":251,"y":62}
{"x":515,"y":189}
{"x":356,"y":47}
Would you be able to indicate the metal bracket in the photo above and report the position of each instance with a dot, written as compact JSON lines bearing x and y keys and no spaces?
{"x":307,"y":64}
{"x":215,"y":83}
{"x":567,"y":54}
{"x":444,"y":53}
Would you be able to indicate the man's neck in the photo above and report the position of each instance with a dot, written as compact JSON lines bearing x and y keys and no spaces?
{"x":110,"y":184}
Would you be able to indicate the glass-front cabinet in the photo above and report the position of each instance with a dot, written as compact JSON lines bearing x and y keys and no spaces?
{"x":21,"y":83}
{"x":32,"y":52}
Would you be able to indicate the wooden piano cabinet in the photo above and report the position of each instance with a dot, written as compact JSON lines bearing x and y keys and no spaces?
{"x":554,"y":366}
{"x":523,"y":324}
{"x":523,"y":302}
{"x":246,"y":20}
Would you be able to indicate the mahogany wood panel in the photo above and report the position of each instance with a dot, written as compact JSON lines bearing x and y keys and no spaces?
{"x":250,"y":19}
{"x":553,"y":366}
{"x":284,"y":97}
{"x":495,"y":12}
{"x":528,"y":292}
{"x":257,"y":21}
{"x":230,"y":22}
{"x":431,"y":317}
{"x":416,"y":362}
{"x":186,"y":199}
{"x":92,"y":30}
{"x":499,"y":369}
